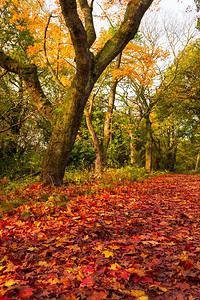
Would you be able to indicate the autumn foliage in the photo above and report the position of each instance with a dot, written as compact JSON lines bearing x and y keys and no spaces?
{"x":134,"y":241}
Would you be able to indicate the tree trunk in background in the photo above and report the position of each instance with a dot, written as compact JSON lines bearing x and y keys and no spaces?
{"x":148,"y":150}
{"x":102,"y":148}
{"x":99,"y":166}
{"x":197,"y":162}
{"x":171,"y":157}
{"x":132,"y":148}
{"x":109,"y":113}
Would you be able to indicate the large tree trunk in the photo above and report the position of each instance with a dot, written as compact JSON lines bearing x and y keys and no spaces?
{"x":67,"y":123}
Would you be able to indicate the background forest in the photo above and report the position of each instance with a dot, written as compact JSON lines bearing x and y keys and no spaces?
{"x":143,"y":112}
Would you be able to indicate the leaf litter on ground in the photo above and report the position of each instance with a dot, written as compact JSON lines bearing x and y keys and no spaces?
{"x":135,"y":241}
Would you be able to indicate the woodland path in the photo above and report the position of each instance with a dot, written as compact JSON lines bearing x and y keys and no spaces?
{"x":138,"y":241}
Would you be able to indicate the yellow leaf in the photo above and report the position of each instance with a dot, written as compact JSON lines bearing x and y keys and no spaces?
{"x":160,"y":288}
{"x":38,"y":224}
{"x":107,"y":253}
{"x":10,"y":282}
{"x":143,"y":298}
{"x":32,"y":248}
{"x":69,"y":210}
{"x":137,"y":293}
{"x":43,"y":263}
{"x":108,"y":222}
{"x":54,"y":281}
{"x":115,"y":267}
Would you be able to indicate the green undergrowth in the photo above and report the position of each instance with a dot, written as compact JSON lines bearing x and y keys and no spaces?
{"x":16,"y":193}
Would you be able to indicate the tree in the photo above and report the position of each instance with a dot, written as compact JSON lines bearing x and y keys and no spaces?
{"x":141,"y":70}
{"x":179,"y":112}
{"x":66,"y":120}
{"x":101,"y":146}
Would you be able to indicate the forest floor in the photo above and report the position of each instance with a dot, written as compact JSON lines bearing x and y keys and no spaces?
{"x":135,"y":241}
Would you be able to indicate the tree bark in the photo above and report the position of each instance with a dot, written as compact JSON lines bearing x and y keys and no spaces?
{"x":148,"y":150}
{"x":132,"y":148}
{"x":197,"y":161}
{"x":99,"y":165}
{"x":101,"y":148}
{"x":67,"y":123}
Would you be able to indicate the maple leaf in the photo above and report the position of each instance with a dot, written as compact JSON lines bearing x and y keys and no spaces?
{"x":107,"y":253}
{"x":27,"y":292}
{"x":98,"y":296}
{"x":88,"y":269}
{"x":137,"y":293}
{"x":10,"y":282}
{"x":87,"y":282}
{"x":115,"y":267}
{"x":124,"y":274}
{"x":183,"y":286}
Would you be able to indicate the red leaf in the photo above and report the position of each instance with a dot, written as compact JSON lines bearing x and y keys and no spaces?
{"x":27,"y":292}
{"x":87,"y":282}
{"x":183,"y":286}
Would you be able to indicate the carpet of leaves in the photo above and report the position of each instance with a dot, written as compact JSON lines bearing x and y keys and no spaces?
{"x":135,"y":241}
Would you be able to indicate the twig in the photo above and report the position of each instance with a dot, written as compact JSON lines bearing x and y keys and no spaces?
{"x":17,"y":124}
{"x":46,"y":57}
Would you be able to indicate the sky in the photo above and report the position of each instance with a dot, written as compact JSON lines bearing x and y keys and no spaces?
{"x":177,"y":5}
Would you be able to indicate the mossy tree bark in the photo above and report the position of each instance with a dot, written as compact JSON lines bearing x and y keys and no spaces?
{"x":66,"y":122}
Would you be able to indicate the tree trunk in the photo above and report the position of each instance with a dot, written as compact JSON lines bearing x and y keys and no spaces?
{"x":67,"y":123}
{"x":197,"y":162}
{"x":171,"y":157}
{"x":109,"y":113}
{"x":99,"y":165}
{"x":101,"y":148}
{"x":132,"y":148}
{"x":148,"y":150}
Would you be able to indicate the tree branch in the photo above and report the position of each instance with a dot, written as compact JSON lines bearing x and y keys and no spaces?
{"x":19,"y":123}
{"x":77,"y":33}
{"x":55,"y":77}
{"x":3,"y":74}
{"x":28,"y":75}
{"x":133,"y":15}
{"x":89,"y":24}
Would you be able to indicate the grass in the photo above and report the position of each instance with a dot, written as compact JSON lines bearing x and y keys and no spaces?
{"x":16,"y":193}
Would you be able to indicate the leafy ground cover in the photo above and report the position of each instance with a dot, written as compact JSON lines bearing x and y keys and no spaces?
{"x":134,"y":241}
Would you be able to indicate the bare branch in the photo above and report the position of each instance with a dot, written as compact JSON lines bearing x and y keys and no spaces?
{"x":29,"y":76}
{"x":55,"y":77}
{"x":19,"y":123}
{"x":106,"y":15}
{"x":3,"y":74}
{"x":133,"y":15}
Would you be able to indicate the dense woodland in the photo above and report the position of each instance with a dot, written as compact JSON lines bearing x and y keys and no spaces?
{"x":143,"y":110}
